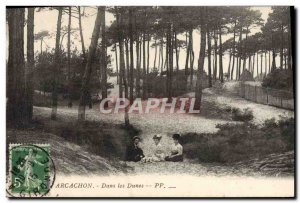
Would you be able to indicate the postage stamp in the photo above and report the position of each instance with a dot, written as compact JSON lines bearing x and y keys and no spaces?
{"x":31,"y":170}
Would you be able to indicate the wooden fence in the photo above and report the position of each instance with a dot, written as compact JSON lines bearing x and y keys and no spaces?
{"x":268,"y":96}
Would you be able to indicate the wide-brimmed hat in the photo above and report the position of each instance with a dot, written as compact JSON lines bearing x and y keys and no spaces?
{"x":159,"y":136}
{"x":176,"y":136}
{"x":136,"y":137}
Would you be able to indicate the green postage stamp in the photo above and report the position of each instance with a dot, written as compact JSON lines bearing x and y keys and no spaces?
{"x":31,"y":170}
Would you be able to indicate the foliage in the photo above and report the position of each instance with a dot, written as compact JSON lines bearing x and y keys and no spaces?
{"x":246,"y":76}
{"x":242,"y":115}
{"x":42,"y":34}
{"x":43,"y":73}
{"x":239,"y":142}
{"x":39,"y":99}
{"x":279,"y":79}
{"x":287,"y":129}
{"x":104,"y":139}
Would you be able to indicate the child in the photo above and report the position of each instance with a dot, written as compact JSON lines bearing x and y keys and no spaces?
{"x":176,"y":150}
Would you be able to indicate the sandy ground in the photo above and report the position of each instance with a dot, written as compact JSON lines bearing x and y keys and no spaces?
{"x":69,"y":158}
{"x":261,"y":112}
{"x":167,"y":124}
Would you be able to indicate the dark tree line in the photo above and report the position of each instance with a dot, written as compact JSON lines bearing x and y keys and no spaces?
{"x":132,"y":34}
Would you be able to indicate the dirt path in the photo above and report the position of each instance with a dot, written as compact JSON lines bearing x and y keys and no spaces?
{"x":167,"y":124}
{"x":261,"y":112}
{"x":150,"y":124}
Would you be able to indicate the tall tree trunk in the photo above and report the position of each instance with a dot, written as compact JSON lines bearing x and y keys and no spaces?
{"x":274,"y":60}
{"x":82,"y":41}
{"x":81,"y":34}
{"x":30,"y":64}
{"x":148,"y":61}
{"x":159,"y":57}
{"x":170,"y":70}
{"x":17,"y":111}
{"x":131,"y":55}
{"x":241,"y":50}
{"x":103,"y":53}
{"x":138,"y":67}
{"x":176,"y":51}
{"x":266,"y":63}
{"x":166,"y":65}
{"x":232,"y":67}
{"x":285,"y":61}
{"x":281,"y":46}
{"x":261,"y":65}
{"x":155,"y":54}
{"x":162,"y":55}
{"x":140,"y":59}
{"x":192,"y":57}
{"x":220,"y":56}
{"x":188,"y":44}
{"x":41,"y":46}
{"x":249,"y":63}
{"x":122,"y":63}
{"x":257,"y":65}
{"x":209,"y":58}
{"x":57,"y":66}
{"x":99,"y":71}
{"x":269,"y":61}
{"x":144,"y":65}
{"x":88,"y":67}
{"x":253,"y":65}
{"x":125,"y":75}
{"x":216,"y":55}
{"x":69,"y":60}
{"x":188,"y":50}
{"x":198,"y":91}
{"x":237,"y":68}
{"x":213,"y":63}
{"x":127,"y":59}
{"x":229,"y":65}
{"x":138,"y":86}
{"x":233,"y":51}
{"x":289,"y":49}
{"x":120,"y":76}
{"x":117,"y":63}
{"x":148,"y":52}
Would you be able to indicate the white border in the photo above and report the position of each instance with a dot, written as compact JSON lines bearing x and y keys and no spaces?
{"x":106,"y":2}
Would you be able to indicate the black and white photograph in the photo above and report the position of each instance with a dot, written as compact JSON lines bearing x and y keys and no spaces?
{"x":150,"y":101}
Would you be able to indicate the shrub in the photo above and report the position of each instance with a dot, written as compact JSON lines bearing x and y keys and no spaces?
{"x":242,"y":115}
{"x":108,"y":140}
{"x":239,"y":142}
{"x":287,"y":130}
{"x":246,"y":76}
{"x":279,"y":79}
{"x":42,"y":100}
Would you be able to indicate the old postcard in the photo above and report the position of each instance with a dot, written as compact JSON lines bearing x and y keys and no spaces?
{"x":150,"y":101}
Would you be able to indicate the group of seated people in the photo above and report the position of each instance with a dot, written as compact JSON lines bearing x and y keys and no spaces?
{"x":136,"y":154}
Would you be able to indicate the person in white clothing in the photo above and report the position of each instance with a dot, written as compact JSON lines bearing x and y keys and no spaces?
{"x":158,"y":151}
